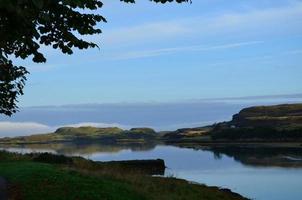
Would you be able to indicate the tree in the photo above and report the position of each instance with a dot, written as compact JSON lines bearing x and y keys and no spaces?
{"x":27,"y":24}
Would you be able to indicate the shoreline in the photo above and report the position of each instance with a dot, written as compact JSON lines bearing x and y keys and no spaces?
{"x":296,"y":144}
{"x":19,"y":170}
{"x":241,"y":144}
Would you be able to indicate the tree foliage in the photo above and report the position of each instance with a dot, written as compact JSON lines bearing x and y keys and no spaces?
{"x":12,"y":80}
{"x":25,"y":25}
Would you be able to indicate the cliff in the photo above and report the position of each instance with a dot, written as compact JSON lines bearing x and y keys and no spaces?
{"x":263,"y":123}
{"x":279,"y":116}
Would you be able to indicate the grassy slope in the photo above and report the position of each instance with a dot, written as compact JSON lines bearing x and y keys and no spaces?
{"x":34,"y":181}
{"x":278,"y":116}
{"x":44,"y":181}
{"x":69,"y":134}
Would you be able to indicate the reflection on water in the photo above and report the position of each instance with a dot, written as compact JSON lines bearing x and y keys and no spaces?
{"x":259,"y":173}
{"x":78,"y":149}
{"x":263,"y":157}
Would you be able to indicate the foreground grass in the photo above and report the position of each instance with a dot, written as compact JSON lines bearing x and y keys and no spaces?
{"x":35,"y":181}
{"x":44,"y":181}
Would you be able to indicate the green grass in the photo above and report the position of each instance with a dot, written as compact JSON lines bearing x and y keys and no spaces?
{"x":36,"y":181}
{"x":29,"y":180}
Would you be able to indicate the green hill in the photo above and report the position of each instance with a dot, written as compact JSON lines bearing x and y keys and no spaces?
{"x":279,"y":116}
{"x":88,"y":131}
{"x":270,"y":123}
{"x":188,"y":134}
{"x":87,"y":134}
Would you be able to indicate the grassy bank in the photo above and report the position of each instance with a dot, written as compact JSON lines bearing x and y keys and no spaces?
{"x":30,"y":179}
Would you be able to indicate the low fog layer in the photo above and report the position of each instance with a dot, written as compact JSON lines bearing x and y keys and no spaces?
{"x":160,"y":116}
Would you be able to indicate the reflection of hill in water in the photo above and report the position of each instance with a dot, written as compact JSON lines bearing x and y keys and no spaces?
{"x":263,"y":157}
{"x":85,"y":148}
{"x":252,"y":155}
{"x":288,"y":157}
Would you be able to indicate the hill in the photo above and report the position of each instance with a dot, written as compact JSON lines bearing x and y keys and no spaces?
{"x":260,"y":123}
{"x":271,"y":123}
{"x":87,"y":134}
{"x":188,"y":134}
{"x":279,"y":116}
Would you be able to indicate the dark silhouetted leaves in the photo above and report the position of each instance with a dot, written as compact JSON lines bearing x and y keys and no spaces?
{"x":12,"y":80}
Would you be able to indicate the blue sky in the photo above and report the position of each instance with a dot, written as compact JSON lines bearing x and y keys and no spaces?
{"x":167,"y":67}
{"x":176,"y":52}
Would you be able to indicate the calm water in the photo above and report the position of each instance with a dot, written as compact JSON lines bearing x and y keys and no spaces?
{"x":257,"y":173}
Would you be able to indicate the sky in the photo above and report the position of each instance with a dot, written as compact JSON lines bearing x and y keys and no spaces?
{"x":173,"y":54}
{"x":161,"y":53}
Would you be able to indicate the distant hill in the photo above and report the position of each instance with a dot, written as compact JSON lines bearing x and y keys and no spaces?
{"x":261,"y":123}
{"x":279,"y":116}
{"x":88,"y":131}
{"x":87,"y":134}
{"x":279,"y":122}
{"x":187,"y":134}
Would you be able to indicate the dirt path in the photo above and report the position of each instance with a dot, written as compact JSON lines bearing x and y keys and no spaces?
{"x":3,"y":189}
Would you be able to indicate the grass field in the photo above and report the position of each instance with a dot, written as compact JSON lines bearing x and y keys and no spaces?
{"x":31,"y":180}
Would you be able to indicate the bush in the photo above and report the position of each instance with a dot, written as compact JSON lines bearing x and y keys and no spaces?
{"x":51,"y":158}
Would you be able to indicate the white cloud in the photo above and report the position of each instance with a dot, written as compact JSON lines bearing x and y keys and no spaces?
{"x":260,"y":18}
{"x":144,"y":32}
{"x":203,"y":26}
{"x":11,"y":129}
{"x":293,"y":52}
{"x":165,"y":51}
{"x":236,"y":25}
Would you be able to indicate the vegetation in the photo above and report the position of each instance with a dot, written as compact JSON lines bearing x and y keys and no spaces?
{"x":27,"y":24}
{"x":279,"y":116}
{"x":257,"y":134}
{"x":44,"y":181}
{"x":87,"y":134}
{"x":188,"y":134}
{"x":269,"y":123}
{"x":278,"y":123}
{"x":87,"y":130}
{"x":29,"y":179}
